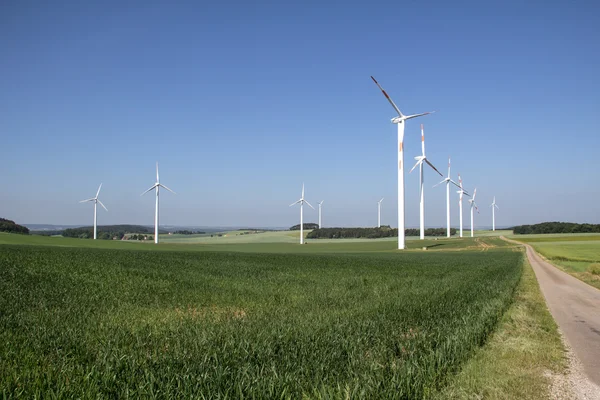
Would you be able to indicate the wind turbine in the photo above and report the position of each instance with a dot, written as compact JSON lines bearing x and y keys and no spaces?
{"x":321,"y":203}
{"x":302,"y":201}
{"x":96,"y":201}
{"x":494,"y":206}
{"x":461,"y":192}
{"x":473,"y":204}
{"x":448,"y":181}
{"x":379,"y":213}
{"x":420,"y":160}
{"x":157,"y":186}
{"x":400,"y":121}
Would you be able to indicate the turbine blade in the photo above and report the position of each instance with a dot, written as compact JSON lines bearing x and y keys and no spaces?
{"x":474,"y":194}
{"x":422,"y":140}
{"x":160,"y":184}
{"x":497,"y":206}
{"x":381,"y":200}
{"x":431,"y":165}
{"x":157,"y":180}
{"x":83,"y":201}
{"x":302,"y":189}
{"x":388,"y":97}
{"x":153,"y":186}
{"x":296,"y":202}
{"x":97,"y":193}
{"x":448,"y":166}
{"x":102,"y":205}
{"x":415,"y":166}
{"x":438,"y":184}
{"x":309,"y":204}
{"x":418,"y":115}
{"x":455,"y":184}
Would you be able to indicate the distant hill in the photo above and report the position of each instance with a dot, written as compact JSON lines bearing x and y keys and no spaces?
{"x":6,"y":225}
{"x":556,"y":227}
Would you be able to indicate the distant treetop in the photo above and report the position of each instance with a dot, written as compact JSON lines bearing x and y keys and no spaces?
{"x":6,"y":225}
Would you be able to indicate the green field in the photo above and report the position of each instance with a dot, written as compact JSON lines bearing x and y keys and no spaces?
{"x":83,"y":318}
{"x":577,"y":254}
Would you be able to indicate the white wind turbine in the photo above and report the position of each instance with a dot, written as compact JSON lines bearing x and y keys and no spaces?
{"x":302,"y":201}
{"x":461,"y":192}
{"x":420,"y":160}
{"x":400,"y":121}
{"x":473,"y":204}
{"x":379,"y":213}
{"x":494,"y":206}
{"x":320,"y":204}
{"x":448,"y":181}
{"x":157,"y":187}
{"x":96,"y":201}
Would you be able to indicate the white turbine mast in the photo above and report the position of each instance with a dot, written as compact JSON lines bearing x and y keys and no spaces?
{"x":494,"y":206}
{"x":96,"y":201}
{"x":379,"y":213}
{"x":420,"y":160}
{"x":460,"y":208}
{"x":473,"y":205}
{"x":448,"y":181}
{"x":302,"y":201}
{"x":320,"y":204}
{"x":399,"y":120}
{"x":157,"y":187}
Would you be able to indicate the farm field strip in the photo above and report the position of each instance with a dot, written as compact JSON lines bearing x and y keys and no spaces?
{"x":87,"y":322}
{"x":577,"y":254}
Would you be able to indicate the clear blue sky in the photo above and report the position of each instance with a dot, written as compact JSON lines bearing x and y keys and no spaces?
{"x":241,"y":102}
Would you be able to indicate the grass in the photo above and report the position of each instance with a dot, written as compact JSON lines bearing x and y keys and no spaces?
{"x":100,"y":322}
{"x":520,"y":358}
{"x":266,"y":246}
{"x":576,"y":254}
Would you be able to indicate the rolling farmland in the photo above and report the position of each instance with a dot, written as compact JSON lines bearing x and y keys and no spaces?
{"x":89,"y":322}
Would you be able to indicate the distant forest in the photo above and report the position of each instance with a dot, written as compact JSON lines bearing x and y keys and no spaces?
{"x":556,"y":227}
{"x":372,"y":233}
{"x":6,"y":225}
{"x":107,"y":232}
{"x":308,"y":225}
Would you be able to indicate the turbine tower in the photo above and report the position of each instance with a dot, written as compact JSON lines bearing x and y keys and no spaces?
{"x":494,"y":206}
{"x":420,"y":160}
{"x":461,"y":192}
{"x":399,"y":120}
{"x":473,"y":204}
{"x":448,"y":181}
{"x":96,"y":201}
{"x":320,"y":204}
{"x":379,"y":213}
{"x":157,"y":187}
{"x":302,"y":201}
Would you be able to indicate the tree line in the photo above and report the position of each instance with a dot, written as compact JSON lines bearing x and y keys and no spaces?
{"x":7,"y":225}
{"x":307,"y":225}
{"x":556,"y":227}
{"x":372,"y":233}
{"x":106,"y":232}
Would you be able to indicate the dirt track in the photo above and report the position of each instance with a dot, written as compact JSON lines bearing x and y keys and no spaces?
{"x":575,"y":307}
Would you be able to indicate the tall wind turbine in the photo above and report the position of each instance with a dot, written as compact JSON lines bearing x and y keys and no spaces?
{"x":473,"y":204}
{"x":96,"y":201}
{"x":400,"y":121}
{"x":157,"y":187}
{"x":494,"y":206}
{"x":448,"y":181}
{"x":461,"y":192}
{"x":420,"y":160}
{"x":320,"y":204}
{"x":379,"y":213}
{"x":302,"y":201}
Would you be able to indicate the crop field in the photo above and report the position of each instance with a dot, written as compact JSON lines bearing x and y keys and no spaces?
{"x":94,"y":322}
{"x":577,"y":254}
